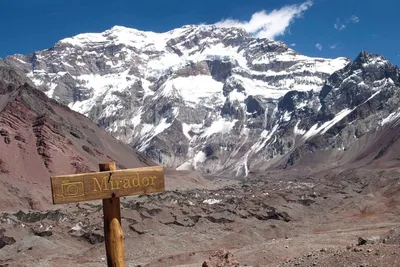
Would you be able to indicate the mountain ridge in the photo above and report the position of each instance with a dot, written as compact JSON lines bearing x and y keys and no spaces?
{"x":40,"y":137}
{"x":210,"y":99}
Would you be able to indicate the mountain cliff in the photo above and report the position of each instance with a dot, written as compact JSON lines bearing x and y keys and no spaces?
{"x":40,"y":137}
{"x":217,"y":100}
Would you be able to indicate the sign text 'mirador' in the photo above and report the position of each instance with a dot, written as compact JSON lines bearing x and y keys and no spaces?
{"x":102,"y":184}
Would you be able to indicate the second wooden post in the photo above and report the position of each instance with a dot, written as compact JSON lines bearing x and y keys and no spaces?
{"x":113,"y":235}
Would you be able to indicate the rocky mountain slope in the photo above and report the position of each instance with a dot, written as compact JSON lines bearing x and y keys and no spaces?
{"x":218,"y":100}
{"x":353,"y":118}
{"x":41,"y":137}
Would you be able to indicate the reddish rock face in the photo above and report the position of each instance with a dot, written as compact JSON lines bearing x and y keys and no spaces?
{"x":40,"y":138}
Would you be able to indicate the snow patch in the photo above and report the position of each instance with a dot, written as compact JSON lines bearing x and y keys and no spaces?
{"x":220,"y":126}
{"x":297,"y":130}
{"x":194,"y":89}
{"x":199,"y":158}
{"x":136,"y":120}
{"x":187,"y":166}
{"x":51,"y":91}
{"x":287,"y":116}
{"x":314,"y":130}
{"x":77,"y":227}
{"x":148,"y":132}
{"x":259,"y":88}
{"x":238,"y":96}
{"x":392,"y":117}
{"x":265,"y":137}
{"x":211,"y":201}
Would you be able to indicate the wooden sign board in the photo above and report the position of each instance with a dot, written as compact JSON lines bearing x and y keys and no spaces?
{"x":108,"y":184}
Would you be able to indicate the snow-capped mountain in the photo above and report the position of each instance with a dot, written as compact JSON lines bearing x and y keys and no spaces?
{"x":213,"y":99}
{"x":357,"y":107}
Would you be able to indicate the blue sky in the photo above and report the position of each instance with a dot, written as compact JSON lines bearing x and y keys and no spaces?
{"x":325,"y":28}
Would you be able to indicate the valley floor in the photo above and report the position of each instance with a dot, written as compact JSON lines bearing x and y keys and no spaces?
{"x":264,"y":221}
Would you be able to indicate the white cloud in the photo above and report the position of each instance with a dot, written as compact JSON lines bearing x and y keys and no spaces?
{"x":341,"y":25}
{"x":355,"y":19}
{"x":334,"y":46}
{"x":269,"y":24}
{"x":319,"y":46}
{"x":338,"y":25}
{"x":293,"y":44}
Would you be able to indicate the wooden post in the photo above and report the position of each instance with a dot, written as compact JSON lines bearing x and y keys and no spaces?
{"x":109,"y":185}
{"x":117,"y":243}
{"x":113,"y":235}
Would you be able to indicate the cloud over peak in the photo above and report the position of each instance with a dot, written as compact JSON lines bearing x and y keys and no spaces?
{"x":269,"y":25}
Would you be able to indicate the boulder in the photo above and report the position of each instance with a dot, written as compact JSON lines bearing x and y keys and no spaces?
{"x":5,"y":240}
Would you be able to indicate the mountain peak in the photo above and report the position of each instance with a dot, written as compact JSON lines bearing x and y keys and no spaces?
{"x":174,"y":95}
{"x":119,"y":28}
{"x":365,"y":58}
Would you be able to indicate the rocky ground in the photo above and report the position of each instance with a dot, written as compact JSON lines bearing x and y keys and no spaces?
{"x":279,"y":221}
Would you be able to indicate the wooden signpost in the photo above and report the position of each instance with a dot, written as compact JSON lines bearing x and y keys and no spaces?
{"x":109,"y":185}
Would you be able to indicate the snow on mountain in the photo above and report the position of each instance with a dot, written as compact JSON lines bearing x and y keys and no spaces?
{"x":198,"y":97}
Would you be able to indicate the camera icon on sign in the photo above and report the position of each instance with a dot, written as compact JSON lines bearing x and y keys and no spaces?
{"x":72,"y":189}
